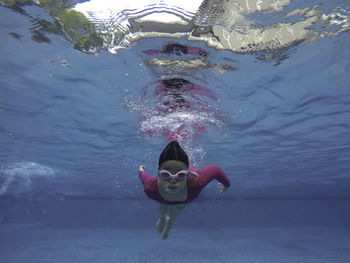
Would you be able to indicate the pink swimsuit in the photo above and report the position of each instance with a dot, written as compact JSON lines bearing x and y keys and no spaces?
{"x":194,"y":184}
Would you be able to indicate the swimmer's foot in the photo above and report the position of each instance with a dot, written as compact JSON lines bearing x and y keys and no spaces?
{"x":166,"y":228}
{"x":161,"y":223}
{"x":165,"y":233}
{"x":160,"y":226}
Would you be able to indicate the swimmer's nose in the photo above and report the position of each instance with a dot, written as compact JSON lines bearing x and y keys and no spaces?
{"x":173,"y":181}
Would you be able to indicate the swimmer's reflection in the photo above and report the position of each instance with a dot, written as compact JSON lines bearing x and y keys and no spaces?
{"x":181,"y":106}
{"x":178,"y":50}
{"x":172,"y":92}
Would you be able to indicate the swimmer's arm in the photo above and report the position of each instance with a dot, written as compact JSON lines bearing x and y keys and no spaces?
{"x":143,"y":175}
{"x":211,"y":172}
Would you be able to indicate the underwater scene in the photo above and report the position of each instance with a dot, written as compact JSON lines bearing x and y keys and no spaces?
{"x":175,"y":131}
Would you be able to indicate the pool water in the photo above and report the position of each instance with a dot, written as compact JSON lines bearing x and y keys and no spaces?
{"x":260,"y":90}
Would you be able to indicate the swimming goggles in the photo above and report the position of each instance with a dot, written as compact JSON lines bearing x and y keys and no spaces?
{"x":166,"y":175}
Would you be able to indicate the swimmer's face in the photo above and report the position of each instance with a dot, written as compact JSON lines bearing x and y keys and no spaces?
{"x":173,"y":185}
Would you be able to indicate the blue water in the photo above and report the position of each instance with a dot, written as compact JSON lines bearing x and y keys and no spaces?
{"x":71,"y":146}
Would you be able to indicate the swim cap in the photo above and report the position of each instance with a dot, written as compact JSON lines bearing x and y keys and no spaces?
{"x":173,"y":151}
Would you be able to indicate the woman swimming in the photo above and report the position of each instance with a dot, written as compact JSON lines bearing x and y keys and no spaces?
{"x":177,"y":183}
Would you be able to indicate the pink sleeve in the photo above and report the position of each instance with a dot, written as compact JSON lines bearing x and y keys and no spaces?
{"x":144,"y":177}
{"x":211,"y":172}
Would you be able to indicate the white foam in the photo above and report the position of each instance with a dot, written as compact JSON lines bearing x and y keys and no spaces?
{"x":17,"y":178}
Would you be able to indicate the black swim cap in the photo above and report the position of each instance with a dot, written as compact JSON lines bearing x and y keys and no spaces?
{"x":173,"y":151}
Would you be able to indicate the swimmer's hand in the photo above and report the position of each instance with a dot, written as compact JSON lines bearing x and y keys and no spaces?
{"x":222,"y":188}
{"x":142,"y":168}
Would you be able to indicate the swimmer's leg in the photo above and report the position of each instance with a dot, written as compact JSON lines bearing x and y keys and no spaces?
{"x":174,"y":213}
{"x":163,"y":217}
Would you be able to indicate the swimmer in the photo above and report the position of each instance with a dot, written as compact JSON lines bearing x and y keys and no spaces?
{"x":177,"y":183}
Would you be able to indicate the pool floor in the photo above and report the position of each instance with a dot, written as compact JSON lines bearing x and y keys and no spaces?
{"x":34,"y":243}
